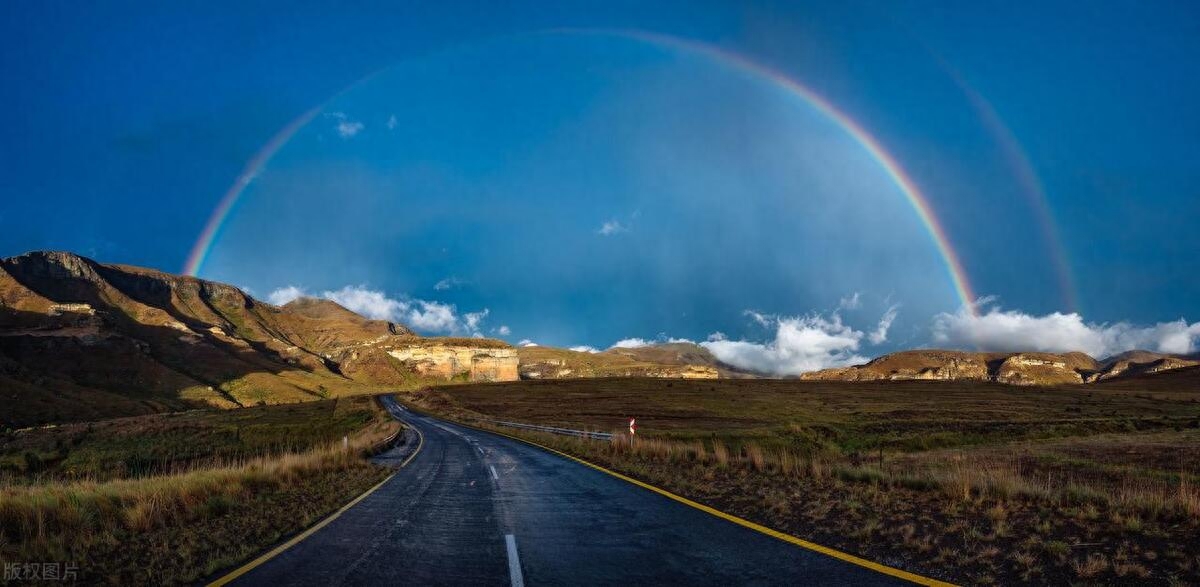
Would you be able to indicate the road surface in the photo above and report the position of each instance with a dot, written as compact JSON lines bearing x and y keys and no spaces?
{"x":474,"y":508}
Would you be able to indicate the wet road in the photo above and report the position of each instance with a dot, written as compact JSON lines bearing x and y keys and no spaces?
{"x":474,"y":508}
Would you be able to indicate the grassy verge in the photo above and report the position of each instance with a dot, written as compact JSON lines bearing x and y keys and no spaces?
{"x":179,"y":527}
{"x":177,"y":442}
{"x":1075,"y":502}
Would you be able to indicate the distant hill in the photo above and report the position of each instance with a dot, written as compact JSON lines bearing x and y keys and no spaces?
{"x":681,"y":360}
{"x":1183,"y":379}
{"x":84,"y":340}
{"x":1011,"y":368}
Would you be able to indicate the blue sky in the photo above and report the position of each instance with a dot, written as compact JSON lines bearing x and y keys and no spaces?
{"x":492,"y":148}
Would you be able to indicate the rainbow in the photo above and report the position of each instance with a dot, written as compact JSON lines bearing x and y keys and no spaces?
{"x":920,"y":204}
{"x":1026,"y":177}
{"x":213,"y":227}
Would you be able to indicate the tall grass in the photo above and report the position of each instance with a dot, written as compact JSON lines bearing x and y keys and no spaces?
{"x":66,"y":520}
{"x":961,"y":478}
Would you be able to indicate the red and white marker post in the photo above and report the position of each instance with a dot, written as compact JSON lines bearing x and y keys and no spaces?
{"x":633,"y":426}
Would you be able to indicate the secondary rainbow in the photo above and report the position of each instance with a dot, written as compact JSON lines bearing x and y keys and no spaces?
{"x":1024,"y":173}
{"x":920,"y":204}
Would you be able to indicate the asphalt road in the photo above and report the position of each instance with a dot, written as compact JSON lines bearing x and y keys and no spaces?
{"x":474,"y":508}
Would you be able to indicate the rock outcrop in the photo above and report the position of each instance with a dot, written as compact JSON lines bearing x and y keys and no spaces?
{"x":448,"y":361}
{"x":1129,"y":367}
{"x":1009,"y":368}
{"x":911,"y":365}
{"x":678,"y":360}
{"x":1029,"y":369}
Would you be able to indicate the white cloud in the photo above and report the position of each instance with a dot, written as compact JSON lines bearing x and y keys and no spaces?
{"x":423,"y":315}
{"x":850,"y":302}
{"x":369,"y":303}
{"x":447,"y":283}
{"x":1012,"y":330}
{"x":801,"y":344}
{"x":612,"y":227}
{"x":392,"y":122}
{"x":473,"y":319}
{"x":504,"y":330}
{"x":631,"y":343}
{"x":584,"y":349}
{"x":431,"y":316}
{"x":879,"y":335}
{"x":284,"y":295}
{"x":718,"y":335}
{"x":764,"y":320}
{"x":348,"y":128}
{"x":527,"y":343}
{"x":345,"y":127}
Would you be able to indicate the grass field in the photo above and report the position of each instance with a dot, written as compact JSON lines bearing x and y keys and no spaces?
{"x":164,"y":443}
{"x":170,"y":499}
{"x":975,"y":483}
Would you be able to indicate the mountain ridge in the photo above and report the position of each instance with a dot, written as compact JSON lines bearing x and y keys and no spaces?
{"x":1014,"y":368}
{"x":81,"y":339}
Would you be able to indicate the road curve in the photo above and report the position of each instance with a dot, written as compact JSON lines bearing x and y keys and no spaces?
{"x":475,"y":508}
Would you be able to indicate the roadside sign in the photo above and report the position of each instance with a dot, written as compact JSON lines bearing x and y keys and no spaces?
{"x":633,"y":426}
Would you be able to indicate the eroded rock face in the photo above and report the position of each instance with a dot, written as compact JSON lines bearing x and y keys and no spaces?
{"x":545,"y":369}
{"x":698,"y":372}
{"x":1010,"y":368}
{"x":911,"y":365}
{"x":1129,"y":367}
{"x":450,"y":361}
{"x":559,"y":369}
{"x":1023,"y":369}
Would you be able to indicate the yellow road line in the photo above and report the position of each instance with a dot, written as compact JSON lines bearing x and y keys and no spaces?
{"x":274,"y":552}
{"x":842,"y":556}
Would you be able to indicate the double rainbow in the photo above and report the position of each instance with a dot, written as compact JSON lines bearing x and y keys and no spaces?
{"x":954,"y":268}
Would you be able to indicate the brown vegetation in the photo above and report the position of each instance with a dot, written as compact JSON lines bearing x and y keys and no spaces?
{"x":973,"y":483}
{"x":179,"y":527}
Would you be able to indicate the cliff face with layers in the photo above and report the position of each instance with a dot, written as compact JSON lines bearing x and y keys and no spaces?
{"x":84,"y":340}
{"x":668,"y":361}
{"x":1010,"y":368}
{"x":449,"y":361}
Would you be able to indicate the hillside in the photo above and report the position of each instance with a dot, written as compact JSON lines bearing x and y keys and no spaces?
{"x":1010,"y":368}
{"x":81,"y":340}
{"x":675,"y":360}
{"x":1181,"y":379}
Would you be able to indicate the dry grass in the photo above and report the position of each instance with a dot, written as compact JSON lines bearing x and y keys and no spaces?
{"x":971,"y":482}
{"x":964,"y":480}
{"x":177,"y":443}
{"x":38,"y":517}
{"x":177,"y":528}
{"x":1090,"y":567}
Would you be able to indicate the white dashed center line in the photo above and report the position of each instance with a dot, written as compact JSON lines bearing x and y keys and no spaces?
{"x":494,"y":475}
{"x":514,"y":562}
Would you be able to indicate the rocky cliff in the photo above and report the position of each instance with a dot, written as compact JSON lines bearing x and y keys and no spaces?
{"x":81,"y":340}
{"x":673,"y":360}
{"x":450,"y":361}
{"x":1010,"y":368}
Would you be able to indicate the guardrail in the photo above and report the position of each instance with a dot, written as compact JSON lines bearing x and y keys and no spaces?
{"x":553,"y":430}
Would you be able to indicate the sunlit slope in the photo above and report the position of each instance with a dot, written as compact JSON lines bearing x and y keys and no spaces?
{"x":81,"y":339}
{"x":682,"y":359}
